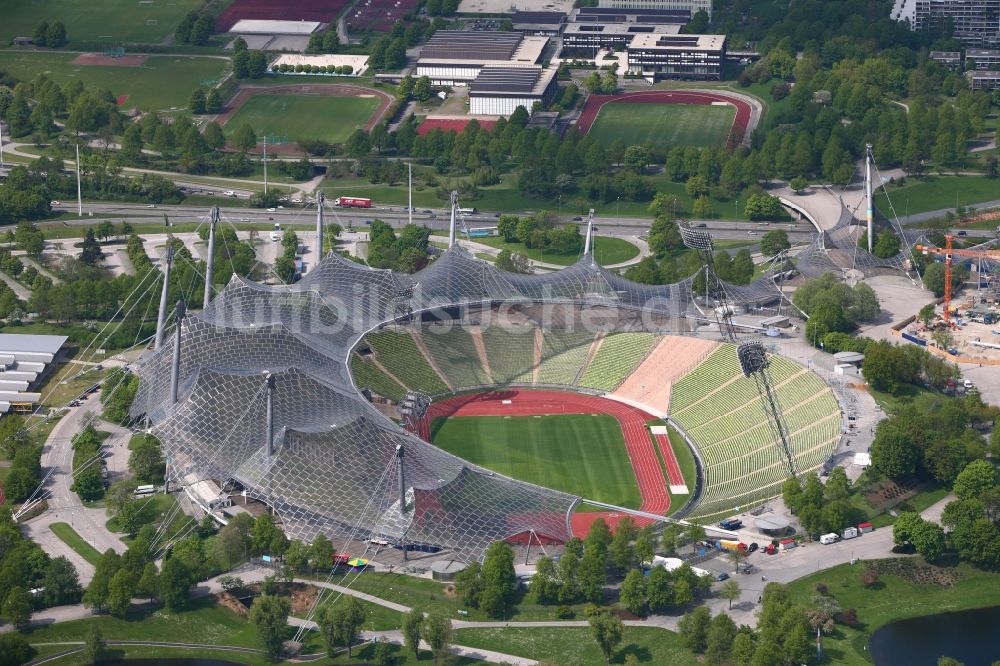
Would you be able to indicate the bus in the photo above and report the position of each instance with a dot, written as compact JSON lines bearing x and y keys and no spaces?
{"x":467,"y":211}
{"x":145,"y":491}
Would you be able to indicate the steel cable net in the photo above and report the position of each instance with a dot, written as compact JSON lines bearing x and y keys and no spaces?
{"x":331,"y":468}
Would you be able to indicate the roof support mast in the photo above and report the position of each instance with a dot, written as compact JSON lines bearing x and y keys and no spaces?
{"x":869,"y":211}
{"x":210,"y":265}
{"x":588,"y":242}
{"x":161,"y":319}
{"x":454,"y":215}
{"x":320,"y":201}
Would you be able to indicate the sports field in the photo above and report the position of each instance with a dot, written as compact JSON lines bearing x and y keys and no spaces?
{"x":97,"y":20}
{"x":161,"y":84}
{"x":304,"y":117}
{"x":582,"y":454}
{"x":663,"y":126}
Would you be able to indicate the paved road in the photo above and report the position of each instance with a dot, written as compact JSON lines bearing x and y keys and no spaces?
{"x":64,"y":505}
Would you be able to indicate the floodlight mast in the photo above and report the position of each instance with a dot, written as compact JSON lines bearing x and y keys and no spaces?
{"x":161,"y":319}
{"x":268,"y":432}
{"x":320,"y":201}
{"x":701,"y":241}
{"x":454,"y":214}
{"x":754,"y":363}
{"x":870,"y":212}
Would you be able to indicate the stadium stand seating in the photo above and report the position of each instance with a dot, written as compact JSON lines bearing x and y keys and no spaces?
{"x":397,"y":350}
{"x":511,"y":353}
{"x":722,"y":414}
{"x":650,"y":383}
{"x":370,"y":376}
{"x":563,"y":354}
{"x":617,"y":356}
{"x":455,"y":353}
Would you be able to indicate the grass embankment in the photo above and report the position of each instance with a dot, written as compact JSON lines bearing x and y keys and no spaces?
{"x":575,"y":646}
{"x":919,"y":195}
{"x":892,"y":598}
{"x":70,"y":537}
{"x":607,"y":250}
{"x":579,"y":454}
{"x":163,"y":83}
{"x":685,"y":459}
{"x":153,"y":511}
{"x":663,"y":126}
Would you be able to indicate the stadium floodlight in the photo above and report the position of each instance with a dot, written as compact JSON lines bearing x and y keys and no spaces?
{"x":695,"y":239}
{"x":754,"y":363}
{"x":753,"y":357}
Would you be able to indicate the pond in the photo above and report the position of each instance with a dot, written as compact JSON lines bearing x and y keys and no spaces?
{"x":968,"y":636}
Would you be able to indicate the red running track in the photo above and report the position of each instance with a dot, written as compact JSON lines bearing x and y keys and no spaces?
{"x":736,"y":134}
{"x":520,"y":402}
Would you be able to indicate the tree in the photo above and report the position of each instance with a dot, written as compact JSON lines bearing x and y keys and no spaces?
{"x":545,"y":583}
{"x":55,"y":37}
{"x":975,"y":480}
{"x":621,"y":551}
{"x":798,"y":184}
{"x":422,"y":89}
{"x":773,"y":242}
{"x":90,"y":253}
{"x":762,"y":207}
{"x":702,"y":207}
{"x":607,"y":630}
{"x":743,"y":648}
{"x":41,"y":34}
{"x":149,"y":582}
{"x":257,"y":65}
{"x":197,"y":104}
{"x":633,"y":592}
{"x":17,"y":606}
{"x":513,"y":262}
{"x":644,"y":548}
{"x":15,"y":650}
{"x":60,"y":582}
{"x":929,"y":540}
{"x":266,"y":538}
{"x":174,"y":583}
{"x":94,"y":647}
{"x":97,"y":592}
{"x":213,"y":102}
{"x":413,"y":623}
{"x":438,"y":633}
{"x":146,"y":460}
{"x":927,"y":314}
{"x":719,"y":640}
{"x":244,"y":138}
{"x":241,"y":63}
{"x":340,"y":625}
{"x":893,"y":451}
{"x":693,"y":628}
{"x":121,"y":589}
{"x":498,"y":579}
{"x":636,"y":158}
{"x":269,"y":614}
{"x":731,"y":591}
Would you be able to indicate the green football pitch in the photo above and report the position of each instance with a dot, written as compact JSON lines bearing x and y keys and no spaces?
{"x":581,"y":454}
{"x":111,"y":21}
{"x":663,"y":126}
{"x":162,"y":83}
{"x":300,"y":117}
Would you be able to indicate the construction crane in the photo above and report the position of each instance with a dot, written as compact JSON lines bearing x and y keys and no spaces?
{"x":948,"y":253}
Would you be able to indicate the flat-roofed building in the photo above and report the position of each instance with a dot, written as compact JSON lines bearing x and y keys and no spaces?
{"x":539,"y":23}
{"x":983,"y":79}
{"x":950,"y":59}
{"x":586,"y":39}
{"x":676,"y":17}
{"x":697,"y":57}
{"x":455,"y":56}
{"x":498,"y":91}
{"x":988,"y":59}
{"x":25,"y":361}
{"x":973,"y":22}
{"x":691,"y":6}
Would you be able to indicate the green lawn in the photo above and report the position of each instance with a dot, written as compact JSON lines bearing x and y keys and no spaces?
{"x":894,"y":599}
{"x":685,"y":458}
{"x":152,"y":511}
{"x":162,"y":83}
{"x":97,"y":20}
{"x":663,"y":126}
{"x":575,"y":646}
{"x":919,"y":195}
{"x":579,"y":454}
{"x":326,"y":118}
{"x":76,"y":542}
{"x":607,"y":250}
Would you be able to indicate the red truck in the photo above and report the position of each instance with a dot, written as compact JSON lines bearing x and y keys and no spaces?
{"x":352,"y":202}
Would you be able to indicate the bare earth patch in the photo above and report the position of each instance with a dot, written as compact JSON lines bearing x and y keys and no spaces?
{"x":107,"y":61}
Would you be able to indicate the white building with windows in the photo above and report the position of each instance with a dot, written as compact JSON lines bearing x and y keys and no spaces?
{"x":498,"y":91}
{"x":974,"y":22}
{"x":455,"y":57}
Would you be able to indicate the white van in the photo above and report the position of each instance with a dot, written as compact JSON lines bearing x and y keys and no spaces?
{"x":850,"y":533}
{"x":276,"y":232}
{"x":967,"y":384}
{"x":827,"y":539}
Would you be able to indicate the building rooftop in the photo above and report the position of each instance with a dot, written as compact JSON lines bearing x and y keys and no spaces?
{"x":262,"y":27}
{"x":477,"y":48}
{"x":615,"y":15}
{"x":621,"y":29}
{"x":678,"y":42}
{"x":552,"y":19}
{"x":982,"y":53}
{"x":511,"y":80}
{"x":11,"y":343}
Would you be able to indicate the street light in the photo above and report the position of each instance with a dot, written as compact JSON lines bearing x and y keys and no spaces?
{"x":618,"y":206}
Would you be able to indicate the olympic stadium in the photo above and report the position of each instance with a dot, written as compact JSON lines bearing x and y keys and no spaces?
{"x":316,"y":399}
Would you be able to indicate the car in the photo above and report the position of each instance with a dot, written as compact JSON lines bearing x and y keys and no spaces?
{"x":701,"y":226}
{"x":963,"y":233}
{"x":55,"y":203}
{"x":244,"y":219}
{"x":578,"y":219}
{"x":270,"y":210}
{"x":229,"y":193}
{"x":752,"y":547}
{"x":429,"y":211}
{"x":722,"y":576}
{"x":496,"y":214}
{"x":751,"y":233}
{"x":151,"y":206}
